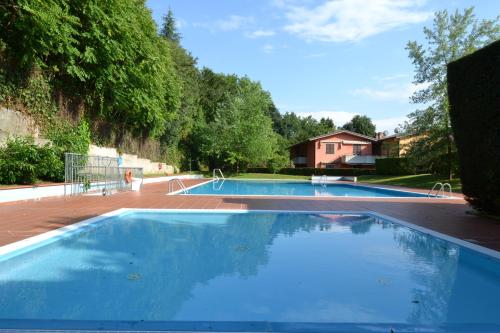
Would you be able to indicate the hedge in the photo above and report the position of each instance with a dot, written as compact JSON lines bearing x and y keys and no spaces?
{"x":316,"y":171}
{"x":474,"y":95}
{"x":23,"y":162}
{"x":393,"y":166}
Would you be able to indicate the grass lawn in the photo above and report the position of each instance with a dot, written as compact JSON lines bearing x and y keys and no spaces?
{"x":267,"y":176}
{"x":425,"y":181}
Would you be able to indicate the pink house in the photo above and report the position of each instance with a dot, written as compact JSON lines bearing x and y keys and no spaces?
{"x":339,"y":149}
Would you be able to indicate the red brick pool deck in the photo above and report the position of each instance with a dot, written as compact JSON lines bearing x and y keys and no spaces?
{"x":23,"y":219}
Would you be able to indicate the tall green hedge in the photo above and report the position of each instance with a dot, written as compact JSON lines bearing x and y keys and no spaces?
{"x":316,"y":171}
{"x":393,"y":166}
{"x":474,"y":95}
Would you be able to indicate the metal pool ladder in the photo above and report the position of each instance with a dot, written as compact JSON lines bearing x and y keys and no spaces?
{"x":215,"y":176}
{"x":179,"y":182}
{"x":440,"y":188}
{"x":323,"y":180}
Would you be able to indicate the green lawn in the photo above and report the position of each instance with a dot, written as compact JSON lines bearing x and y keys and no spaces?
{"x":267,"y":176}
{"x":425,"y":181}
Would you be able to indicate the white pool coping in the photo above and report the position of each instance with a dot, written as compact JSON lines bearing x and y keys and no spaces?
{"x":38,"y":192}
{"x":421,"y":196}
{"x":58,"y":233}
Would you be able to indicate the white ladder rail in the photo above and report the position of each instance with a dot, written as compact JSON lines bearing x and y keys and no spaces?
{"x":215,"y":176}
{"x":440,"y":188}
{"x":450,"y":192}
{"x":179,"y":182}
{"x":434,"y":187}
{"x":323,"y":180}
{"x":216,"y":186}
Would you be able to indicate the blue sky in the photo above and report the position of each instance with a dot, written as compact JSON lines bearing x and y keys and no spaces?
{"x":332,"y":58}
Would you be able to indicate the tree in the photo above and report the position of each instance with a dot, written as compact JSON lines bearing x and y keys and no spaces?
{"x":169,"y":28}
{"x":241,"y":133}
{"x":295,"y":128}
{"x":362,"y":125}
{"x":452,"y":36}
{"x":176,"y":148}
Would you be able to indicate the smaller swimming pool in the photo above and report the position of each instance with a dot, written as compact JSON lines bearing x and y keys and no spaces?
{"x":296,"y":188}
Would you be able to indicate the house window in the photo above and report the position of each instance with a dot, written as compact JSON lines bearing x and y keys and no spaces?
{"x":330,"y":148}
{"x":330,"y":165}
{"x":356,"y":149}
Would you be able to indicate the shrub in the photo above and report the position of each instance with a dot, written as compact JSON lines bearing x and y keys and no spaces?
{"x":23,"y":162}
{"x":394,"y":166}
{"x":69,"y":138}
{"x":474,"y":97}
{"x":328,"y":172}
{"x":18,"y":162}
{"x":279,"y":161}
{"x":50,"y":165}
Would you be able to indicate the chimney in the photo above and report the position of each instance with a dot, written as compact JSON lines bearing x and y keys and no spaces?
{"x":379,"y":135}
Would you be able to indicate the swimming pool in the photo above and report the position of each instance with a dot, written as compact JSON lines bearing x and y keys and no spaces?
{"x":249,"y":271}
{"x":296,"y":188}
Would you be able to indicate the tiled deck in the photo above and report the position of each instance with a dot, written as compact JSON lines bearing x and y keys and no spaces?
{"x":19,"y":220}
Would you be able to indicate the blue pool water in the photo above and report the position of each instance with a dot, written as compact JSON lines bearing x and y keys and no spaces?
{"x":295,"y":188}
{"x":243,"y":271}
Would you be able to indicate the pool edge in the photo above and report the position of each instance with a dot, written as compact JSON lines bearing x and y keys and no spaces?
{"x":9,"y":250}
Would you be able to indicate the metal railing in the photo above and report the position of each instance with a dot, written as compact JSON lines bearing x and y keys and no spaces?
{"x":440,"y":188}
{"x":215,"y":176}
{"x":179,"y":182}
{"x":217,"y":186}
{"x":98,"y":174}
{"x":323,"y":180}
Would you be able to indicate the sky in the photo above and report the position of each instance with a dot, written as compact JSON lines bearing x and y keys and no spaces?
{"x":322,"y":58}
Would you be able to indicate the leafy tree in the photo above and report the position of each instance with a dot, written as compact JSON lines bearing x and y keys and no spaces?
{"x":362,"y":125}
{"x":241,"y":132}
{"x":215,"y":89}
{"x":104,"y":55}
{"x":190,"y":111}
{"x":295,"y":128}
{"x":452,"y":36}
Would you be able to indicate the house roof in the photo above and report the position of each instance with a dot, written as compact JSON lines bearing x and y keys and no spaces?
{"x":396,"y":136}
{"x":334,"y":133}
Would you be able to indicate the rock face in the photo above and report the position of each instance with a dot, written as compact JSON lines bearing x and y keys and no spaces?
{"x":129,"y":160}
{"x":15,"y":124}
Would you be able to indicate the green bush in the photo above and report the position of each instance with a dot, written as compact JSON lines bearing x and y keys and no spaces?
{"x":278,"y":162}
{"x":394,"y":166}
{"x":23,"y":162}
{"x":50,"y":165}
{"x":315,"y":171}
{"x":18,"y":162}
{"x":328,"y":172}
{"x":69,"y":138}
{"x":474,"y":97}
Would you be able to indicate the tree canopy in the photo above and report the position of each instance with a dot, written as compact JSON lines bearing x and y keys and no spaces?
{"x":362,"y":125}
{"x":106,"y":64}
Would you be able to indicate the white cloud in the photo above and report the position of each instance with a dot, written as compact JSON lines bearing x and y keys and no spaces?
{"x":268,"y":48}
{"x":180,"y":23}
{"x":260,"y":33}
{"x":388,"y":124}
{"x":350,"y":20}
{"x":390,"y":91}
{"x":386,"y":94}
{"x":232,"y":22}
